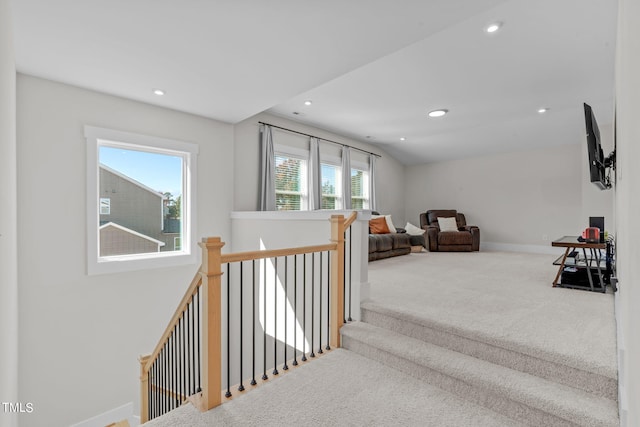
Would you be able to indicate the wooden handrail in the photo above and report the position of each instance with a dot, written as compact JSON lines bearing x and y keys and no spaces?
{"x":186,"y":299}
{"x":270,"y":253}
{"x":350,"y":220}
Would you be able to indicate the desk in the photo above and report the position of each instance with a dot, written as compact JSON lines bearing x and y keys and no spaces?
{"x":571,"y":243}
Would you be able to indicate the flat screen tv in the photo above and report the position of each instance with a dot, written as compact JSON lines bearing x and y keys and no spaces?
{"x":597,"y":161}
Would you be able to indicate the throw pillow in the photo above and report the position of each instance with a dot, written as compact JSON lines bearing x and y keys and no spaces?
{"x":379,"y":226}
{"x":447,"y":224}
{"x":413,"y":230}
{"x":392,"y":228}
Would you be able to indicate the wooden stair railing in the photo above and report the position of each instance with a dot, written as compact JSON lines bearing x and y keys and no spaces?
{"x":162,"y":386}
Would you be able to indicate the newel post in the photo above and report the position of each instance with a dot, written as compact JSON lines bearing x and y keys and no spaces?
{"x":337,"y":280}
{"x":144,"y":389}
{"x":211,"y":271}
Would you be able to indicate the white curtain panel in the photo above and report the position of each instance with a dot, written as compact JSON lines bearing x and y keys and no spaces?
{"x":315,"y":187}
{"x":372,"y":182}
{"x":346,"y":177}
{"x":268,"y":170}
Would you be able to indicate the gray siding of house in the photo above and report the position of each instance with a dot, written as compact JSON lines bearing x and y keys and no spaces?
{"x":131,"y":205}
{"x":114,"y":241}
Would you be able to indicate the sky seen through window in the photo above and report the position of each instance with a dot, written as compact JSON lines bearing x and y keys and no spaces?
{"x":160,"y":172}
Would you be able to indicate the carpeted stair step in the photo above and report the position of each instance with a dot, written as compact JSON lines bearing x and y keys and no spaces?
{"x":518,"y":395}
{"x":340,"y":388}
{"x":557,"y":368}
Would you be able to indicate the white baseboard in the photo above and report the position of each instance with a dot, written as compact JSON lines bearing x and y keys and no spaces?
{"x":511,"y":247}
{"x":114,"y":415}
{"x":622,"y":393}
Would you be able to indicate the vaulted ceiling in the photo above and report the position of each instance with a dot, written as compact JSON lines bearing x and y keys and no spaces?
{"x":373,"y":69}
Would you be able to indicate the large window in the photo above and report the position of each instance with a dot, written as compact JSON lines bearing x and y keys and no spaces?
{"x":292,"y":186}
{"x":359,"y":189}
{"x":330,"y":176}
{"x":140,"y":201}
{"x":291,"y":183}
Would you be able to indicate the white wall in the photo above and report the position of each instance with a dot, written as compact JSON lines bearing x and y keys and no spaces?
{"x":628,"y":208}
{"x":247,"y":165}
{"x":8,"y":220}
{"x":80,"y":336}
{"x":519,"y":200}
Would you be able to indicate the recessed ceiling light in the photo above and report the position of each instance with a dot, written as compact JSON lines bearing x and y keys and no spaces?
{"x":308,"y":102}
{"x":438,"y":113}
{"x":403,"y":138}
{"x":158,"y":92}
{"x":543,"y":110}
{"x":493,"y":27}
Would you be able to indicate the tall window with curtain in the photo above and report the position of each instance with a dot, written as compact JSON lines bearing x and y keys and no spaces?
{"x":359,"y":189}
{"x":290,"y":183}
{"x":293,"y":177}
{"x":331,"y":186}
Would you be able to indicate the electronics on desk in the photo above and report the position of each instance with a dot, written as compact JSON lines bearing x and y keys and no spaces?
{"x":591,"y":235}
{"x":598,"y":222}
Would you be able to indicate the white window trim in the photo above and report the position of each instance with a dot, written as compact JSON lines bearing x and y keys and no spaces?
{"x":364,"y":167}
{"x":337,"y":163}
{"x":96,"y":136}
{"x":299,"y":154}
{"x":106,"y":206}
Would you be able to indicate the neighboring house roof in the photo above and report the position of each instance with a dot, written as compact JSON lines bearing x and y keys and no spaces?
{"x":130,"y":231}
{"x":133,"y":181}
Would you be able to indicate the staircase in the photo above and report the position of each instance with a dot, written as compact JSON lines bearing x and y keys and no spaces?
{"x":529,"y":387}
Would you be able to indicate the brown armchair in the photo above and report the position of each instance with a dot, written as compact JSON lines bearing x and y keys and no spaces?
{"x":467,"y":238}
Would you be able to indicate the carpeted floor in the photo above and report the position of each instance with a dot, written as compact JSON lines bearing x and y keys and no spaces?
{"x":502,"y":299}
{"x":341,"y":389}
{"x":505,"y":297}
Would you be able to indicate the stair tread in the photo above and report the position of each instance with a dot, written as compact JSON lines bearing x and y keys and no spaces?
{"x":561,"y":400}
{"x":561,"y":359}
{"x":340,"y":388}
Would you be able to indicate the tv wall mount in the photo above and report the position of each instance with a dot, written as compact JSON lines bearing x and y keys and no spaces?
{"x":609,"y":165}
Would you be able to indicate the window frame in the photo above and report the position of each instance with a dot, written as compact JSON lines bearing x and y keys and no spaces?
{"x":364,"y":168}
{"x":334,"y":162}
{"x":105,"y":206}
{"x":96,"y":264}
{"x":297,"y":154}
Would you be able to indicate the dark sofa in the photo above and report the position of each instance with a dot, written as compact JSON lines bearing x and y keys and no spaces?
{"x":388,"y":245}
{"x":392,"y":244}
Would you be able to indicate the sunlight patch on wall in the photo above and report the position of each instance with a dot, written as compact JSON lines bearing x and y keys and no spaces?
{"x":271,"y":315}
